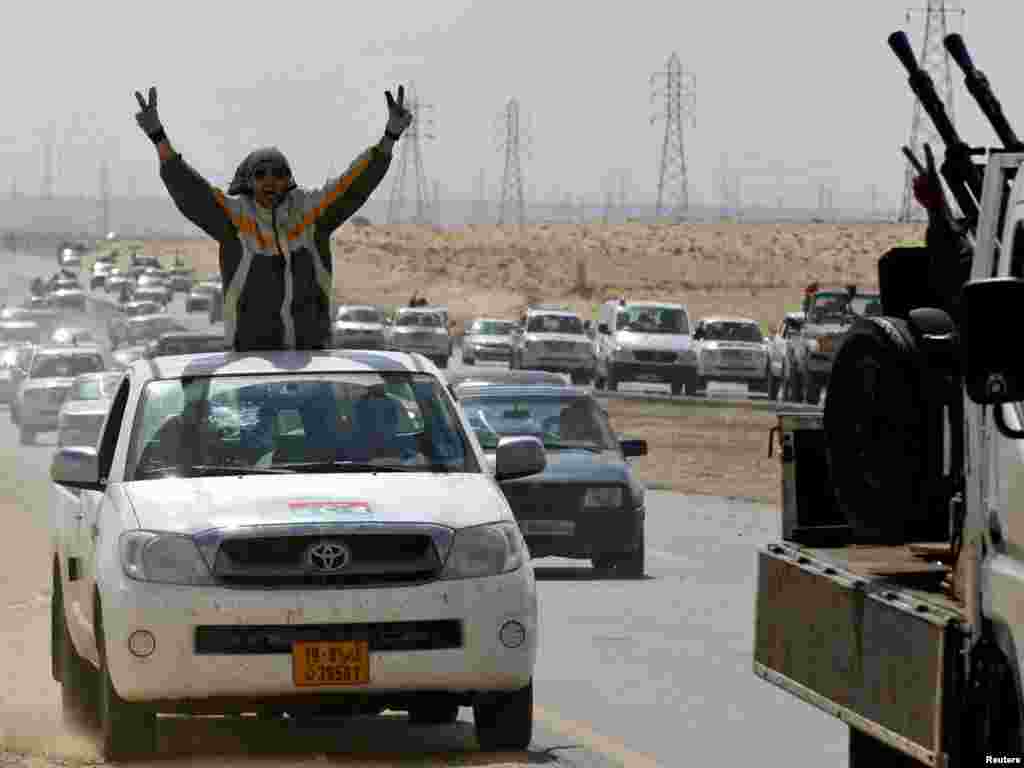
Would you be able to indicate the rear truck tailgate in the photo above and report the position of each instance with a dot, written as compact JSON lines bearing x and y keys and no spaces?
{"x":833,"y":628}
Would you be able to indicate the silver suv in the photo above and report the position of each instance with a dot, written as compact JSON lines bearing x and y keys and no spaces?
{"x":645,"y":341}
{"x":360,"y":326}
{"x":554,"y":340}
{"x":423,"y":330}
{"x":488,"y":339}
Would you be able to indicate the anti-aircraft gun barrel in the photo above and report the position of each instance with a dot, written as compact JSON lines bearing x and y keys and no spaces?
{"x":960,"y":172}
{"x":978,"y":86}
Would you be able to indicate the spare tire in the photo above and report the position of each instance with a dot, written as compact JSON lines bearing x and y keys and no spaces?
{"x":883,"y":433}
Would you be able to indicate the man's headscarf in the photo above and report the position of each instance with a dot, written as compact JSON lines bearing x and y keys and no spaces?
{"x":241,"y":184}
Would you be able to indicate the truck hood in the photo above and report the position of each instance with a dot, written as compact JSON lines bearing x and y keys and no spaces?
{"x":343,"y":325}
{"x":488,"y":339}
{"x":662,"y":342}
{"x":192,"y":505}
{"x":748,"y":346}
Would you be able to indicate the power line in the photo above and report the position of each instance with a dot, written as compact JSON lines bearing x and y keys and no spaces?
{"x":933,"y":59}
{"x":411,"y":162}
{"x":679,"y":93}
{"x":512,"y":205}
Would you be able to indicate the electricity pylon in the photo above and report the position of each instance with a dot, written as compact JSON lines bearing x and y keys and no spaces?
{"x":934,"y":60}
{"x":412,"y":155}
{"x":512,"y":206}
{"x":678,"y":90}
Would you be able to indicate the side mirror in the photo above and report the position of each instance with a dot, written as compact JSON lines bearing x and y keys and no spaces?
{"x":991,"y":375}
{"x":631,"y":447}
{"x":519,"y":457}
{"x":603,"y":329}
{"x":76,"y":467}
{"x":698,"y":335}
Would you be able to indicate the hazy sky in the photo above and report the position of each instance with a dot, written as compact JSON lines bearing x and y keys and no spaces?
{"x":785,"y":84}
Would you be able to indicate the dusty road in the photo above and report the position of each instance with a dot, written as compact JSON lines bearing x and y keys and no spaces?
{"x":646,"y":673}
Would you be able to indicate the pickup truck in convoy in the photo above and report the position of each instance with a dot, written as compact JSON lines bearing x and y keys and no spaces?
{"x":895,"y":597}
{"x":291,"y":534}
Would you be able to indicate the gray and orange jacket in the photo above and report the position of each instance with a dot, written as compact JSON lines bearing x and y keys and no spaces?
{"x":276,"y":266}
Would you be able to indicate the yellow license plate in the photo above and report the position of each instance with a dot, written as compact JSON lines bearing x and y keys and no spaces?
{"x":336,"y":662}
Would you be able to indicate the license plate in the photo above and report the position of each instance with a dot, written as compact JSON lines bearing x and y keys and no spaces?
{"x":336,"y":662}
{"x":547,"y":527}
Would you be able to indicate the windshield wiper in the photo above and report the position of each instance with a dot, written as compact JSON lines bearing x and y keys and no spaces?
{"x":341,"y":465}
{"x":227,"y":469}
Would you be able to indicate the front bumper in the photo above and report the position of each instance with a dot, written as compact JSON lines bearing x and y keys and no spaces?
{"x":582,"y":534}
{"x":177,"y":673}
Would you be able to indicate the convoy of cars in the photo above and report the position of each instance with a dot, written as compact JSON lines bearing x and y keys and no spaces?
{"x":506,"y":465}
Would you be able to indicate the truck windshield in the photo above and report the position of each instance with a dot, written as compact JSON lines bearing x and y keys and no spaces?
{"x":372,"y":421}
{"x":555,"y":324}
{"x":360,"y":316}
{"x":652,"y":320}
{"x":419,"y":318}
{"x":725,"y":331}
{"x":493,"y":327}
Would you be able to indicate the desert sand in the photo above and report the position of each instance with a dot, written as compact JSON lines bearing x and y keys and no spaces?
{"x":753,"y":270}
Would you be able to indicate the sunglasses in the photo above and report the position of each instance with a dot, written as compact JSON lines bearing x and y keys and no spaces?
{"x":278,"y":173}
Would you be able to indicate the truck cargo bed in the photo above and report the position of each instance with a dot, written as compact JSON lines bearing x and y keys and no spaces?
{"x":869,"y":634}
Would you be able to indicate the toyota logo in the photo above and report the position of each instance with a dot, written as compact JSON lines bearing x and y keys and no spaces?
{"x":328,"y":557}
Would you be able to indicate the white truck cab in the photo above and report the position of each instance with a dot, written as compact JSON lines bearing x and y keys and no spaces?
{"x":645,"y":341}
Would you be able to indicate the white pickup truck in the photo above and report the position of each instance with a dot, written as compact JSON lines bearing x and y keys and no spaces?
{"x":291,"y":533}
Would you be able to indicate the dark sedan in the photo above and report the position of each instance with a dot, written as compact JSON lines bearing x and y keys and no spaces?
{"x":587,"y":503}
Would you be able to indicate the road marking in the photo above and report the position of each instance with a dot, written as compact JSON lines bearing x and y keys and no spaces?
{"x":594,"y":740}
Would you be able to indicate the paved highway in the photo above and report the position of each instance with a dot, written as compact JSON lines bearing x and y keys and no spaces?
{"x":630,"y":673}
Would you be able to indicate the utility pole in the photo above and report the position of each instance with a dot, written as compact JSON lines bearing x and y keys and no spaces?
{"x":411,"y":162}
{"x":437,"y":203}
{"x":678,"y":90}
{"x":934,"y":60}
{"x":512,"y":204}
{"x":105,"y":198}
{"x":49,"y":162}
{"x":480,"y":204}
{"x":15,"y":194}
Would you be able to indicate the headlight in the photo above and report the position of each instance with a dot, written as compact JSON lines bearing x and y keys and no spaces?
{"x":485,"y":550}
{"x":163,"y":558}
{"x":603,"y":497}
{"x":812,"y":345}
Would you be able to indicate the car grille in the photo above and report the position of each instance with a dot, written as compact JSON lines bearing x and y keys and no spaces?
{"x":382,"y":636}
{"x":560,"y":346}
{"x":377,"y":559}
{"x":654,"y":356}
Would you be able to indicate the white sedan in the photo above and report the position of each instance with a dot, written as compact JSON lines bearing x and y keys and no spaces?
{"x":289,"y":533}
